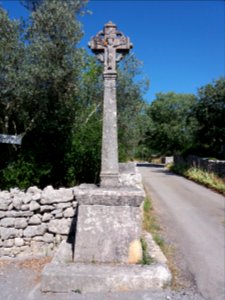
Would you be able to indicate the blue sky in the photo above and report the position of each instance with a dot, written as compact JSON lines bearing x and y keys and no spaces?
{"x":181,"y":43}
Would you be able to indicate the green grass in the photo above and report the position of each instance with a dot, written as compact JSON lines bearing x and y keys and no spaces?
{"x":205,"y":178}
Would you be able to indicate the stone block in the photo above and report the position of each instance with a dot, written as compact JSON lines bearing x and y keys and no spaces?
{"x":50,"y":196}
{"x":123,"y":196}
{"x":8,"y":233}
{"x":69,"y":212}
{"x":19,"y":242}
{"x":34,"y":205}
{"x":70,"y":277}
{"x":104,"y":233}
{"x":20,"y":223}
{"x":46,"y":208}
{"x":61,"y":226}
{"x":8,"y":243}
{"x":48,"y":238}
{"x":4,"y":203}
{"x":35,"y":220}
{"x":46,"y":217}
{"x":31,"y":231}
{"x":7,"y":222}
{"x":17,"y":214}
{"x":17,"y":203}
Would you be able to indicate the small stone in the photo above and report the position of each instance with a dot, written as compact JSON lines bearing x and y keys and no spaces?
{"x":57,"y":211}
{"x":14,"y":191}
{"x":20,"y":223}
{"x":46,"y":217}
{"x":48,"y":238}
{"x":8,"y":243}
{"x":62,"y":205}
{"x":4,"y":203}
{"x":59,"y":215}
{"x":68,"y":213}
{"x":74,"y":204}
{"x":34,"y":206}
{"x":19,"y":242}
{"x":10,"y":207}
{"x":24,"y":207}
{"x":36,"y":197}
{"x":7,"y":233}
{"x":35,"y":220}
{"x":5,"y":195}
{"x":7,"y":222}
{"x":45,"y":208}
{"x":33,"y":190}
{"x":31,"y":231}
{"x":17,"y":214}
{"x":27,"y":198}
{"x":59,"y":226}
{"x":38,"y":238}
{"x":17,"y":203}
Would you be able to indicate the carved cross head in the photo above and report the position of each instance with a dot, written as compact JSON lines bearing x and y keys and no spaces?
{"x":110,"y":46}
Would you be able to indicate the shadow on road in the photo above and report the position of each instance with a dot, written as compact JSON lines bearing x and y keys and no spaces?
{"x":160,"y":168}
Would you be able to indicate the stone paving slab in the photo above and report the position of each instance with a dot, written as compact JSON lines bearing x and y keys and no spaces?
{"x":103,"y":278}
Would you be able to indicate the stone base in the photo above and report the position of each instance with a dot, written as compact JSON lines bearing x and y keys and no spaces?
{"x":103,"y":278}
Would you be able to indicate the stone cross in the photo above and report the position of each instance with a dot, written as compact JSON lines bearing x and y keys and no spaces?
{"x":110,"y":46}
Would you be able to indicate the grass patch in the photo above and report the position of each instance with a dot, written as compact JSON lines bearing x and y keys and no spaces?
{"x":150,"y":223}
{"x":146,"y":258}
{"x":208,"y":179}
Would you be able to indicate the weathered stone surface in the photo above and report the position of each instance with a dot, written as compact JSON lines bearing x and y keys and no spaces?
{"x":50,"y":196}
{"x":103,"y":278}
{"x":45,"y":208}
{"x":35,"y":230}
{"x":35,"y":220}
{"x":48,"y":238}
{"x":69,"y":212}
{"x":46,"y":217}
{"x":36,"y":197}
{"x":33,"y":190}
{"x":62,"y":205}
{"x":2,"y":214}
{"x":34,"y":206}
{"x":59,"y":226}
{"x":20,"y":223}
{"x":17,"y":214}
{"x":7,"y":222}
{"x":8,"y":243}
{"x":27,"y":198}
{"x":104,"y":233}
{"x":8,"y":233}
{"x":4,"y":203}
{"x":37,"y":247}
{"x":57,"y":211}
{"x":24,"y":207}
{"x":17,"y":203}
{"x":111,"y":197}
{"x":19,"y":242}
{"x":5,"y":195}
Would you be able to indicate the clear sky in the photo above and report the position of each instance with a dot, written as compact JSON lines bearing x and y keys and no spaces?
{"x":181,"y":43}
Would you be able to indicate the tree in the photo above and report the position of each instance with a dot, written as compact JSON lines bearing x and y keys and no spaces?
{"x":131,"y":106}
{"x":210,"y":114}
{"x":171,"y":125}
{"x":50,"y":70}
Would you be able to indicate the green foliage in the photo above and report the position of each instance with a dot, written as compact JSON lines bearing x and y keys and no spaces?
{"x":146,"y":258}
{"x":210,"y":114}
{"x":171,"y":125}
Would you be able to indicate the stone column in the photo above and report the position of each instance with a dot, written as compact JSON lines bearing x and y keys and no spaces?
{"x":109,"y":165}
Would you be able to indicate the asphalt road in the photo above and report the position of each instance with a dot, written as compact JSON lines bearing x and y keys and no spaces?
{"x":192,"y":217}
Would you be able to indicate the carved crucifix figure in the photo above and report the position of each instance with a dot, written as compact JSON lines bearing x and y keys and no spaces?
{"x":110,"y":46}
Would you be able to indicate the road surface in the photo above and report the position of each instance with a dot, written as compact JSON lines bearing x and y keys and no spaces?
{"x":193,"y":220}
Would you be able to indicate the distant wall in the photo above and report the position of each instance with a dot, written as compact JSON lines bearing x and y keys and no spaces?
{"x":36,"y":221}
{"x":215,"y":166}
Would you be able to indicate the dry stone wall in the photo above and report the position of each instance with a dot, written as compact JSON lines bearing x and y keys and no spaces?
{"x":36,"y":221}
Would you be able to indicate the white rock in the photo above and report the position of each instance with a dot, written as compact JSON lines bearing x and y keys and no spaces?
{"x":48,"y":238}
{"x":35,"y":220}
{"x":7,"y":233}
{"x":17,"y":203}
{"x":61,"y":226}
{"x":34,"y":206}
{"x":46,"y":217}
{"x":20,"y":223}
{"x":4,"y":203}
{"x":31,"y":231}
{"x":69,"y":212}
{"x":19,"y":242}
{"x":36,"y":197}
{"x":8,"y":243}
{"x":33,"y":190}
{"x":7,"y":222}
